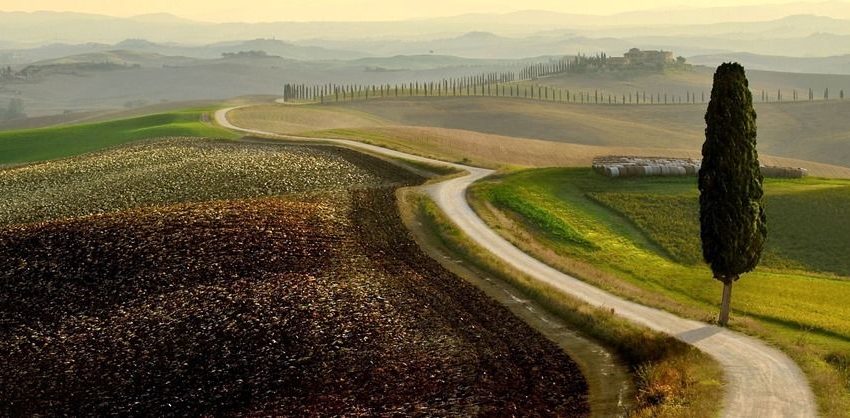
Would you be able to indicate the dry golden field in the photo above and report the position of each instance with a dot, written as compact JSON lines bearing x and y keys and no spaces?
{"x":512,"y":132}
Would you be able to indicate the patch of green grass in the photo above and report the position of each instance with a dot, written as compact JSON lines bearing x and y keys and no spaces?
{"x":666,"y":219}
{"x":646,"y":235}
{"x":31,"y":145}
{"x":809,"y":228}
{"x":530,"y":208}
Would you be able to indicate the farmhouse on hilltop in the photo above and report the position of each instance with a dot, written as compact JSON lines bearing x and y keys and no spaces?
{"x":637,"y":58}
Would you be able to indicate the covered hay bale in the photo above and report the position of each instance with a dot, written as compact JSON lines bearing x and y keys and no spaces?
{"x":783,"y":172}
{"x":624,"y":166}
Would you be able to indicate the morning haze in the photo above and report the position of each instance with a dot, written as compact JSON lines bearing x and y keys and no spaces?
{"x":379,"y":10}
{"x":444,"y":208}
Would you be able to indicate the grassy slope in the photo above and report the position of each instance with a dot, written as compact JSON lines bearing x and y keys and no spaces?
{"x":486,"y":150}
{"x":640,"y":243}
{"x":78,"y":118}
{"x":293,"y":119}
{"x":463,"y":128}
{"x":820,"y":244}
{"x":816,"y":131}
{"x":24,"y":146}
{"x":697,"y":81}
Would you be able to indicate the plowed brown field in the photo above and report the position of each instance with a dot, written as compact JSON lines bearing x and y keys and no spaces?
{"x":289,"y":305}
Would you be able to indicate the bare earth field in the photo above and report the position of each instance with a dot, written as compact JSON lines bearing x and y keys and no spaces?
{"x":300,"y":304}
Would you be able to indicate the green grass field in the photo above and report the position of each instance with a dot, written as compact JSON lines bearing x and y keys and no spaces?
{"x":25,"y":146}
{"x":643,"y":237}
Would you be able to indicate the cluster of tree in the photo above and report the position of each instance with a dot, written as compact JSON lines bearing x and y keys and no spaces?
{"x":14,"y":111}
{"x":578,"y":64}
{"x":245,"y":54}
{"x":582,"y":64}
{"x":7,"y":73}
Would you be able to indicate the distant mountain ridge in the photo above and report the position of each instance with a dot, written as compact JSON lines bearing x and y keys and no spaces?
{"x":794,"y":29}
{"x":270,"y":46}
{"x":38,"y":28}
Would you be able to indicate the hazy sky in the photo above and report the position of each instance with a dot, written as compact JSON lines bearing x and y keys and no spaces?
{"x":301,"y":10}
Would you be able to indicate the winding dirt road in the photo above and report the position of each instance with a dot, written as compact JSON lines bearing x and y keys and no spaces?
{"x":761,"y":380}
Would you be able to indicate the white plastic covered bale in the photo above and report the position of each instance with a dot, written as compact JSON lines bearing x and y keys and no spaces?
{"x":625,"y":166}
{"x":784,"y":172}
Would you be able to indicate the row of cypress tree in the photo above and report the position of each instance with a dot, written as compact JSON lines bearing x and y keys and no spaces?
{"x":504,"y":85}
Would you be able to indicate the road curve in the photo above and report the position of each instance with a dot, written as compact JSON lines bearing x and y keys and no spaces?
{"x":761,"y":380}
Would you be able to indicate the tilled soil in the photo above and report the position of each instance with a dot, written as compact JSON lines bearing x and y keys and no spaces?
{"x":319,"y":307}
{"x":178,"y":170}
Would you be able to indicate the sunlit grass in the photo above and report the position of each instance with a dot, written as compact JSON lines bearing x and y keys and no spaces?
{"x":30,"y":145}
{"x":645,"y":234}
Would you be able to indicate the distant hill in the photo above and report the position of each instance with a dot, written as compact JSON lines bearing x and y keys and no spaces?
{"x":799,"y":35}
{"x":815,"y":65}
{"x":273,"y":47}
{"x":483,"y":45}
{"x":814,"y":45}
{"x":756,"y":22}
{"x":216,"y":50}
{"x":429,"y":61}
{"x":741,"y":13}
{"x":117,"y":79}
{"x":119,"y":57}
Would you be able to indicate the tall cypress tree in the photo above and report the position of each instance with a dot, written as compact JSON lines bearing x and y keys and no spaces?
{"x":733,"y":227}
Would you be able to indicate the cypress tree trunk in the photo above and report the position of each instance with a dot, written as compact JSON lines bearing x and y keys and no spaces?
{"x":726,"y":302}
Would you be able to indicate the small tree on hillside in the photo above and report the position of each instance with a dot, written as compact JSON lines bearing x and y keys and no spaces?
{"x":732,"y":220}
{"x":14,"y":111}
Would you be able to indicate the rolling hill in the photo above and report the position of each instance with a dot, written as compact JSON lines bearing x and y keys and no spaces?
{"x":515,"y":132}
{"x":839,"y":64}
{"x":815,"y":131}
